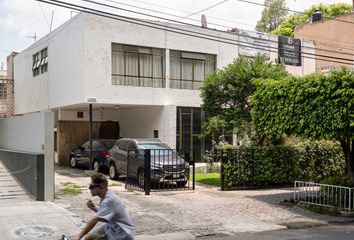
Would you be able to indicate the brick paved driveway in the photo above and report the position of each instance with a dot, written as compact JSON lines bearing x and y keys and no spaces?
{"x":206,"y":211}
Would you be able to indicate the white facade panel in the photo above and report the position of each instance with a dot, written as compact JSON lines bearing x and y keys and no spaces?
{"x":62,"y":84}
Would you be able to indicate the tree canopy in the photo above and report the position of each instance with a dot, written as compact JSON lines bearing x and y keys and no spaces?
{"x":273,"y":15}
{"x":225,"y":92}
{"x":286,"y":28}
{"x":314,"y":106}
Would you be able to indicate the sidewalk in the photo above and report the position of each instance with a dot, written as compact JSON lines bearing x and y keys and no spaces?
{"x":23,"y":218}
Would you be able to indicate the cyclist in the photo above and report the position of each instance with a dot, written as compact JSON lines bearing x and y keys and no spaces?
{"x":111,"y":211}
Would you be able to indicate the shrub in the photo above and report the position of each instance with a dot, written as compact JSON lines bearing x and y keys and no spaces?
{"x":274,"y":165}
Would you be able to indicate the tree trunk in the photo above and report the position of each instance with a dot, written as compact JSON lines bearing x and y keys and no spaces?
{"x":347,"y":146}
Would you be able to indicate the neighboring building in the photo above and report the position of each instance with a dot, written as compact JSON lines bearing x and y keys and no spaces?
{"x":7,"y":88}
{"x":333,"y":38}
{"x":142,"y":80}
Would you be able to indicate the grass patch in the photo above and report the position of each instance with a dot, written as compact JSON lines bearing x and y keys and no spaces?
{"x":114,"y":184}
{"x":212,"y":179}
{"x":71,"y":189}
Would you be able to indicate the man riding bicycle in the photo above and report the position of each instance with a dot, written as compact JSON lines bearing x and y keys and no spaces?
{"x":111,"y":211}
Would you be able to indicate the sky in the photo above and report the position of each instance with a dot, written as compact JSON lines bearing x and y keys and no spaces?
{"x":21,"y":20}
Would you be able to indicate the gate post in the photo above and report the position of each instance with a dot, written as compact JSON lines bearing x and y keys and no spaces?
{"x":222,"y":169}
{"x":147,"y":171}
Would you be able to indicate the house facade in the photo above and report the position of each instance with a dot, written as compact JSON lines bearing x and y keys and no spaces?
{"x":333,"y":39}
{"x":141,"y":77}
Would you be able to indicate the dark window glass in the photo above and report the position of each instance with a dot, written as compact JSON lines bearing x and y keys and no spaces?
{"x":123,"y":145}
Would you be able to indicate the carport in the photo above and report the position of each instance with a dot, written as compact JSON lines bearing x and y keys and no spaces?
{"x":78,"y":123}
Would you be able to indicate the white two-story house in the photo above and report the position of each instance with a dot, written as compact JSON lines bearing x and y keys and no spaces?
{"x":142,"y":78}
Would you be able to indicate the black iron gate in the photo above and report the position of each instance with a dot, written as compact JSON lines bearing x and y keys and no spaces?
{"x":159,"y":170}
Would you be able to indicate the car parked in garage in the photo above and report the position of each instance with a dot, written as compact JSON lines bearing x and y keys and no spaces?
{"x":80,"y":155}
{"x":166,"y":164}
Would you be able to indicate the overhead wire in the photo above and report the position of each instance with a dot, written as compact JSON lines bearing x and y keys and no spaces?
{"x":169,"y":14}
{"x":187,"y":12}
{"x":176,"y":21}
{"x":298,"y":12}
{"x":189,"y":15}
{"x":215,"y":24}
{"x":170,"y":20}
{"x":165,"y":27}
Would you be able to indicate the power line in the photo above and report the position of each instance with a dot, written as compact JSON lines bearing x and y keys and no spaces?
{"x":180,"y":10}
{"x":170,"y":20}
{"x":165,"y":27}
{"x":215,"y":24}
{"x":297,"y":12}
{"x":203,"y":9}
{"x":169,"y":14}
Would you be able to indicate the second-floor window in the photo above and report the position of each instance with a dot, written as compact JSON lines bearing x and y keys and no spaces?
{"x":40,"y":62}
{"x":138,"y":66}
{"x":188,"y":70}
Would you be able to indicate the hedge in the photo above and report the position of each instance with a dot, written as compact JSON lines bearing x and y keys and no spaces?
{"x":281,"y":165}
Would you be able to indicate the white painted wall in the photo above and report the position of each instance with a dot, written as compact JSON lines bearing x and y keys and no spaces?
{"x":80,"y":64}
{"x":97,"y":115}
{"x":23,"y":133}
{"x":62,"y":84}
{"x":32,"y":133}
{"x":140,"y":122}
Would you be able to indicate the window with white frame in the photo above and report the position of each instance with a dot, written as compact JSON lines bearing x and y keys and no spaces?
{"x":36,"y":64}
{"x":188,"y":70}
{"x":44,"y":60}
{"x":138,"y":66}
{"x":40,"y":62}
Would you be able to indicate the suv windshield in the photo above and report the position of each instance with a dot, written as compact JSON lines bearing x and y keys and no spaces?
{"x":109,"y":143}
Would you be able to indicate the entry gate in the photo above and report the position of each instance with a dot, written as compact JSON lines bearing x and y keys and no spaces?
{"x":159,"y":170}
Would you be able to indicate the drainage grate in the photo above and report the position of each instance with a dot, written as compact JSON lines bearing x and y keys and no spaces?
{"x":34,"y":231}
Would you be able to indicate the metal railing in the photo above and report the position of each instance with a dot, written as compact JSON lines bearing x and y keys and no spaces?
{"x":324,"y":195}
{"x":152,"y":170}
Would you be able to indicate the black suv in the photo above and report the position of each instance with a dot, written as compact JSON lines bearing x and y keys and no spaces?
{"x":166,"y":164}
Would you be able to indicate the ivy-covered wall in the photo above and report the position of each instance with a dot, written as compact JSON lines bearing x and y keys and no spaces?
{"x":280,"y":165}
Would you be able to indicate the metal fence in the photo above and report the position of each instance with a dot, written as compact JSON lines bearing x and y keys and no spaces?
{"x":159,"y":170}
{"x":324,"y":195}
{"x":6,"y":98}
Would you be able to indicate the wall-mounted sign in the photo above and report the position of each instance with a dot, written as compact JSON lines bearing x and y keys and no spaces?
{"x":253,"y":43}
{"x":289,"y":50}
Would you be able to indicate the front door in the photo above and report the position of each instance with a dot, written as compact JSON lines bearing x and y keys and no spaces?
{"x":189,"y":126}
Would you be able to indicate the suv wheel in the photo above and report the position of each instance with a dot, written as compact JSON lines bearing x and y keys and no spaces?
{"x":95,"y":166}
{"x":182,"y":184}
{"x":113,"y":171}
{"x":73,"y":162}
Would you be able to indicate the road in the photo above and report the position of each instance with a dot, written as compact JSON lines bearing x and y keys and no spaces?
{"x":329,"y":232}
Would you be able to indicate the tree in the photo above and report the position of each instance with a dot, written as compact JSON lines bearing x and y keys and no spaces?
{"x":272,"y":16}
{"x":225,"y":92}
{"x":314,"y":107}
{"x":286,"y":28}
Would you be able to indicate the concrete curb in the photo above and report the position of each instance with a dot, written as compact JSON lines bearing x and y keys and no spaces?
{"x":169,"y":236}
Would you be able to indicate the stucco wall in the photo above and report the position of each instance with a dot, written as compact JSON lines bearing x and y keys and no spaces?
{"x":332,"y":38}
{"x":62,"y":84}
{"x":32,"y":133}
{"x":79,"y":64}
